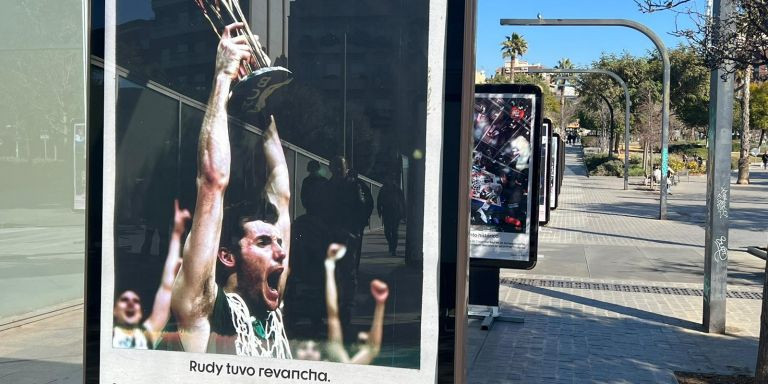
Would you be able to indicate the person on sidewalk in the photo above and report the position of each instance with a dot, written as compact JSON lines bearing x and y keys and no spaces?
{"x":312,"y":189}
{"x":765,"y":160}
{"x":656,"y":176}
{"x":390,"y":205}
{"x":362,"y":211}
{"x":129,"y":330}
{"x":342,"y":214}
{"x":670,"y":180}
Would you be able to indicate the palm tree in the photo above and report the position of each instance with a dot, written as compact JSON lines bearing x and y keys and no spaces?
{"x":513,"y":47}
{"x":564,"y":63}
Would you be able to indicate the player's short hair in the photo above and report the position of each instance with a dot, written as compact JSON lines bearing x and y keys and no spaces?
{"x":232,"y":227}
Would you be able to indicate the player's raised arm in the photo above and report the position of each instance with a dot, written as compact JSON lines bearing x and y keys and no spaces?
{"x":278,"y":190}
{"x":335,"y":347}
{"x":370,"y":350}
{"x":194,"y":291}
{"x":161,"y":309}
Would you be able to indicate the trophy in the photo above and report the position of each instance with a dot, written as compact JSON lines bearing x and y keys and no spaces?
{"x":259,"y":79}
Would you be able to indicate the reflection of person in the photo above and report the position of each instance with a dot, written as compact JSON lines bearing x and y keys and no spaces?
{"x":312,"y":189}
{"x":227,"y":295}
{"x":390,"y":205}
{"x":362,"y":210}
{"x":129,"y":331}
{"x":343,"y":200}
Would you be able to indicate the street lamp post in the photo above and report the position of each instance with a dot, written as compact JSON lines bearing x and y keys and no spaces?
{"x":627,"y":102}
{"x":718,"y":187}
{"x":665,"y":84}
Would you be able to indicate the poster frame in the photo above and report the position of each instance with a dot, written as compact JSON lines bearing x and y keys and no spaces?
{"x":533,"y":213}
{"x":554,"y":187}
{"x":100,"y":242}
{"x":547,"y":170}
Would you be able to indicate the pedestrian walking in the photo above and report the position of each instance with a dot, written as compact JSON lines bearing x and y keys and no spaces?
{"x":390,"y":205}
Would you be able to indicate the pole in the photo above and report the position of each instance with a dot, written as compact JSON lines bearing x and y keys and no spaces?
{"x":627,"y":105}
{"x":344,"y":124}
{"x":465,"y":160}
{"x":718,"y":185}
{"x":665,"y":81}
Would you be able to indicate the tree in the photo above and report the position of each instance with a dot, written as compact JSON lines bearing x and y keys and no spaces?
{"x":564,"y":63}
{"x":642,"y":76}
{"x":742,"y":39}
{"x":689,"y":88}
{"x":743,"y":177}
{"x":43,"y":77}
{"x":512,"y":47}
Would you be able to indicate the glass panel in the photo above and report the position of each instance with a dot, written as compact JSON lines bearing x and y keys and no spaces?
{"x":42,"y":192}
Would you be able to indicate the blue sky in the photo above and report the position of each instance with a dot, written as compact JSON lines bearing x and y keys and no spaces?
{"x":583,"y":45}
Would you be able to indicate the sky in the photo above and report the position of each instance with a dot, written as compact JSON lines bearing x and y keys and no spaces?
{"x":583,"y":45}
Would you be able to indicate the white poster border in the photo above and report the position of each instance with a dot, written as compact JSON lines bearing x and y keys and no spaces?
{"x":120,"y":366}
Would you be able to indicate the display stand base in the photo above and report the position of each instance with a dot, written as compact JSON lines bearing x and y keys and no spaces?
{"x":489,"y":315}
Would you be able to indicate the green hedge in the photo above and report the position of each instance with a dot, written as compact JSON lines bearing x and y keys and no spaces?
{"x":607,"y":165}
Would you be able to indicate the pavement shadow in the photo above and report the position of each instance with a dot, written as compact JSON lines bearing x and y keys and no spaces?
{"x":26,"y":371}
{"x":565,"y":343}
{"x":627,"y":311}
{"x":627,"y":237}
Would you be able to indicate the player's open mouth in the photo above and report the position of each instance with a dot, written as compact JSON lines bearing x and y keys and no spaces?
{"x":273,"y":279}
{"x":130,"y":313}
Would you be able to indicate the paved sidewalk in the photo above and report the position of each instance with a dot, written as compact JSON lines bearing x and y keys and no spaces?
{"x":46,"y":351}
{"x":41,"y":255}
{"x":617,"y":294}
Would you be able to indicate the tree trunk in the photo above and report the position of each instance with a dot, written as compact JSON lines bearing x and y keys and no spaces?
{"x":744,"y":152}
{"x":512,"y":69}
{"x":562,"y":109}
{"x":645,"y":157}
{"x":762,"y":136}
{"x":761,"y":371}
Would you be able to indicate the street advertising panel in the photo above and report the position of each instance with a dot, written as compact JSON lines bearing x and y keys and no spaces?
{"x":504,"y":182}
{"x":546,"y":137}
{"x":256,"y":223}
{"x":554,"y":170}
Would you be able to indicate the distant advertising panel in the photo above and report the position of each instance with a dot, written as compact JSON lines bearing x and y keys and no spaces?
{"x":546,"y":137}
{"x":505,"y":175}
{"x":256,"y":226}
{"x":554,"y":170}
